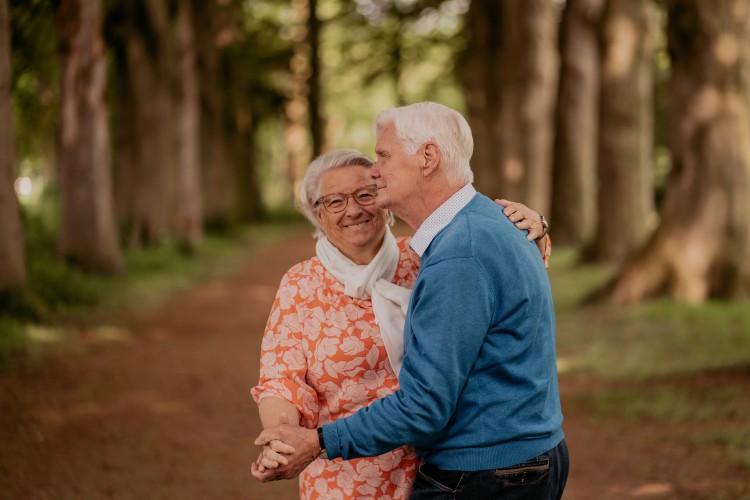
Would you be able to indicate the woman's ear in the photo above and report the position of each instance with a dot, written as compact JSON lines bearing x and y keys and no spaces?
{"x":430,"y":158}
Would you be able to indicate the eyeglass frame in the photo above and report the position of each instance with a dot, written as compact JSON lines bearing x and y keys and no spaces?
{"x":352,"y":195}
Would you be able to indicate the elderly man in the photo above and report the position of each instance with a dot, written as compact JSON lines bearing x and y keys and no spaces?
{"x":479,"y":395}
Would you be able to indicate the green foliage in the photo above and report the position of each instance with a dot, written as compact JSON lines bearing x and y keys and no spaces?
{"x":34,"y":66}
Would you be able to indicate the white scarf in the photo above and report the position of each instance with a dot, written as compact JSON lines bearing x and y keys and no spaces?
{"x":374,"y":281}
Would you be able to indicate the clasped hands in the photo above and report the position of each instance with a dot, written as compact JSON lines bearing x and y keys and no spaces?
{"x":287,"y":450}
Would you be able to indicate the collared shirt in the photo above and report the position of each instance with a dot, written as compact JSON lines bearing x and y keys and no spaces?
{"x":440,"y":218}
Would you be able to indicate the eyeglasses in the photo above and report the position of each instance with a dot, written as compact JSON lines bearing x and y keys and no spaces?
{"x":337,"y":202}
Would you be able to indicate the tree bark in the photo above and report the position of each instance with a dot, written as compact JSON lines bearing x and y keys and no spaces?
{"x":480,"y":78}
{"x":88,"y":235}
{"x":147,"y":49}
{"x":189,"y":216}
{"x":297,"y":106}
{"x":518,"y":39}
{"x":217,"y":173}
{"x":700,"y":250}
{"x":572,"y":213}
{"x":625,"y":198}
{"x":12,"y":264}
{"x":317,"y":127}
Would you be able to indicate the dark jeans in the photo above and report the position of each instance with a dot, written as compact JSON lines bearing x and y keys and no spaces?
{"x":542,"y":478}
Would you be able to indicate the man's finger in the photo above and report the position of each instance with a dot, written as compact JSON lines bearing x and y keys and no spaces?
{"x":267,"y":436}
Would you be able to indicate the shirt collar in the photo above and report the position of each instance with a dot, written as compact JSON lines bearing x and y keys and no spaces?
{"x":440,"y":218}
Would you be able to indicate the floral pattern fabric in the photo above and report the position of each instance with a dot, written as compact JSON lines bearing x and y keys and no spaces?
{"x":323,"y":352}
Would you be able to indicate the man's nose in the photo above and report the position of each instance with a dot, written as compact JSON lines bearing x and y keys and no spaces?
{"x":375,"y":171}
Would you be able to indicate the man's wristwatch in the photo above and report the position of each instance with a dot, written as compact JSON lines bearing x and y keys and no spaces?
{"x":545,"y":227}
{"x":322,"y":444}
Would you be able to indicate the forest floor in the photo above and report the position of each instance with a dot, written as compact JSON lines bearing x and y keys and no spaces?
{"x":158,"y":406}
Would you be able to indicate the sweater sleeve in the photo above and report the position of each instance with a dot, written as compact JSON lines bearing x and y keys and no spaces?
{"x":449,"y":316}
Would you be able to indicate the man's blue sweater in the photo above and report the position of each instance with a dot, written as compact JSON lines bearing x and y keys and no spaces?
{"x":479,"y":379}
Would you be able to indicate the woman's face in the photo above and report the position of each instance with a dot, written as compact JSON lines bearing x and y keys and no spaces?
{"x":356,"y":231}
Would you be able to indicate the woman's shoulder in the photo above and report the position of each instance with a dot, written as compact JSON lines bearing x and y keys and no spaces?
{"x":408,"y":264}
{"x":403,"y":243}
{"x":307,"y":269}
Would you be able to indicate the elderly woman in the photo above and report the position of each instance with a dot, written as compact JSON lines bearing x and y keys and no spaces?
{"x":323,"y":356}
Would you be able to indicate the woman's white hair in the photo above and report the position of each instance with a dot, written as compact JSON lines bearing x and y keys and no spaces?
{"x":415,"y":124}
{"x":309,"y":189}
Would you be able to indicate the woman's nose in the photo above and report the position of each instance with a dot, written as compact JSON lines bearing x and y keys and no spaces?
{"x":353,"y":208}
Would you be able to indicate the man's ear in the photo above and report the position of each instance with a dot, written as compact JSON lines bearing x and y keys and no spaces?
{"x":430,"y":158}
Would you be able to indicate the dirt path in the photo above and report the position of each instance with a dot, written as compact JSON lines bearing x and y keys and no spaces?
{"x":159,"y":408}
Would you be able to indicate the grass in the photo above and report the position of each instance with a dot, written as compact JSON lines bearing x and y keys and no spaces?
{"x":657,"y":338}
{"x":653,"y":350}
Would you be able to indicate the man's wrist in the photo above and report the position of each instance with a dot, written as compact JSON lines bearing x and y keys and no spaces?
{"x":322,"y":443}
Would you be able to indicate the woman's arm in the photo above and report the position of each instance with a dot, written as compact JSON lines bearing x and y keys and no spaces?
{"x":525,"y":218}
{"x":271,"y":410}
{"x":274,"y":411}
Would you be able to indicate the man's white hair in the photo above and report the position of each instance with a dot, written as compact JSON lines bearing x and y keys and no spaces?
{"x":415,"y":124}
{"x":309,"y":189}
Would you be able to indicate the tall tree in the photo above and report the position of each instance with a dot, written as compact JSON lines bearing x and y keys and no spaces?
{"x":147,"y":48}
{"x":625,"y":198}
{"x":189,"y":218}
{"x":12,"y":265}
{"x":700,"y":248}
{"x":574,"y":157}
{"x":87,"y":233}
{"x":518,"y":96}
{"x":313,"y":39}
{"x":297,"y":107}
{"x":215,"y":33}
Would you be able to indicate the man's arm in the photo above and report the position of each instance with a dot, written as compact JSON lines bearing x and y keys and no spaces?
{"x":449,"y":323}
{"x":451,"y":312}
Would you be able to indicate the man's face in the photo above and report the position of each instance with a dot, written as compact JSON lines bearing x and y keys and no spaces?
{"x":395,"y":172}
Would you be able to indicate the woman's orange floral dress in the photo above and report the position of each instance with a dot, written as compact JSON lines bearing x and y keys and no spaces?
{"x":323,"y":352}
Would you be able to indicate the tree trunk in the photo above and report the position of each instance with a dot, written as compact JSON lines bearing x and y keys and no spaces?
{"x":521,"y":79}
{"x":574,"y":159}
{"x":701,"y":247}
{"x":297,"y":106}
{"x":479,"y":75}
{"x":317,"y":127}
{"x":87,"y":234}
{"x":189,"y":217}
{"x":12,"y":265}
{"x":625,"y":199}
{"x":217,"y":173}
{"x":147,"y":55}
